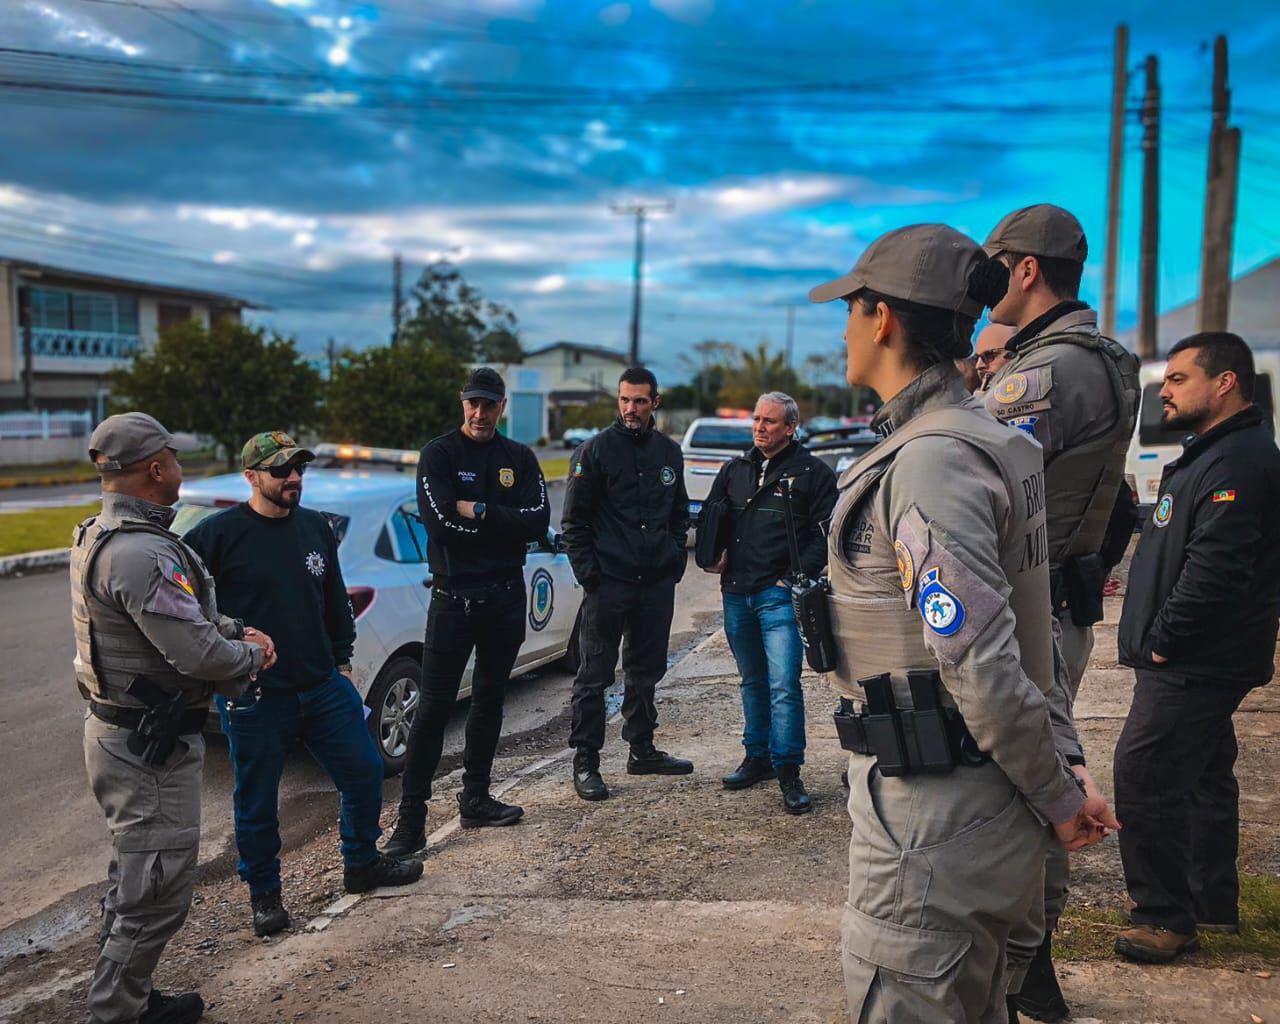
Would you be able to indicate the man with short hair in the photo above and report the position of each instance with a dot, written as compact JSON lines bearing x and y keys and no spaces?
{"x":1076,"y":392}
{"x":152,"y":646}
{"x":625,"y":524}
{"x":276,"y":563}
{"x":1199,"y":630}
{"x":990,"y":351}
{"x":482,"y":499}
{"x":776,"y":478}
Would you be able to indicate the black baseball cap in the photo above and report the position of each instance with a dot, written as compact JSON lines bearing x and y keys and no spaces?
{"x":485,"y":383}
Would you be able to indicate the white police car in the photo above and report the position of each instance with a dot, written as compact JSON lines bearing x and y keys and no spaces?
{"x":368,"y":495}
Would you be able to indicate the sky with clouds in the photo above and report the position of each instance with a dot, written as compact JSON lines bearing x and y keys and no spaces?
{"x":285,"y":150}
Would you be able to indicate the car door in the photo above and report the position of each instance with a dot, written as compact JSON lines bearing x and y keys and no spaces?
{"x":552,"y":603}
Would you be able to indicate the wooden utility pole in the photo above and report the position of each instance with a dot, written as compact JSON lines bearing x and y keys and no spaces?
{"x":397,"y":296}
{"x":1219,"y":202}
{"x":1115,"y":181}
{"x":1148,"y":264}
{"x":640,"y":211}
{"x":331,"y":354}
{"x":791,"y":334}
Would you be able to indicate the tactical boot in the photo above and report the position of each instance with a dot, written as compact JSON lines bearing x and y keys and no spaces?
{"x":410,"y":836}
{"x":646,"y":759}
{"x":794,"y":797}
{"x":483,"y":811}
{"x":269,"y":915}
{"x":751,"y":771}
{"x":1041,"y":997}
{"x":1152,"y":945}
{"x":184,"y":1008}
{"x":385,"y":871}
{"x":586,"y":775}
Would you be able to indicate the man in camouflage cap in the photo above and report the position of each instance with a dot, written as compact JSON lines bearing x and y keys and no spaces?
{"x":144,"y":612}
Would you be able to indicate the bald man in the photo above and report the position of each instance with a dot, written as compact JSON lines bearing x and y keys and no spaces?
{"x":989,"y":351}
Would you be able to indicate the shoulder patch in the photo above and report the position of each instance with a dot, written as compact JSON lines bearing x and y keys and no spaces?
{"x":910,"y":548}
{"x":955,"y":604}
{"x":1012,"y":388}
{"x":171,"y":593}
{"x":1221,"y":496}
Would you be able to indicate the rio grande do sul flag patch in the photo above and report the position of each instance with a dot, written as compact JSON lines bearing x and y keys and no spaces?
{"x":1223,"y":496}
{"x":180,"y":578}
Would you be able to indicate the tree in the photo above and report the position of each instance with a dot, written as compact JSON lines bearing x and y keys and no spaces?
{"x":453,"y":315}
{"x":758,"y":371}
{"x":228,"y":382}
{"x":398,"y":397}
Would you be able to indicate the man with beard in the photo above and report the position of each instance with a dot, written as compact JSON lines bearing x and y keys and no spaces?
{"x":276,"y":564}
{"x":1199,"y":630}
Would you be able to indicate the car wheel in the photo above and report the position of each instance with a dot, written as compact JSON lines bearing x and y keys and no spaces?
{"x":572,"y":659}
{"x":393,"y":703}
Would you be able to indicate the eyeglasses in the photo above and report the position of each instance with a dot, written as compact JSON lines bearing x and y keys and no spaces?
{"x":282,"y":472}
{"x":988,"y":356}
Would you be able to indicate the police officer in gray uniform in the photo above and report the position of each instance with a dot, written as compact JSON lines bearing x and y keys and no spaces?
{"x":1076,"y":392}
{"x":151,"y":649}
{"x":944,"y":652}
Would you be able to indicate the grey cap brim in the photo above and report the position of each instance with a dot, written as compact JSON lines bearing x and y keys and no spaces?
{"x":837,"y":289}
{"x":492,"y":396}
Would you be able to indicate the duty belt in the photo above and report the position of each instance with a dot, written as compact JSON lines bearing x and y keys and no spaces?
{"x":192,"y":720}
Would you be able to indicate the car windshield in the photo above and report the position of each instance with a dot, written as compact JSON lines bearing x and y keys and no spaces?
{"x":732,"y":436}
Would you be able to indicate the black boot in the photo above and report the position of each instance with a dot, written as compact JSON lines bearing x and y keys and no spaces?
{"x":586,"y":775}
{"x":410,"y":836}
{"x":184,"y":1008}
{"x":646,"y":759}
{"x":269,"y":915}
{"x":385,"y":871}
{"x":751,"y":771}
{"x":480,"y":810}
{"x":1041,"y":997}
{"x":794,"y":797}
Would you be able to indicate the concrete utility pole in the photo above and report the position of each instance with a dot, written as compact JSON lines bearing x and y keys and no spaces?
{"x":1148,"y":267}
{"x":1219,"y":202}
{"x":1115,"y":181}
{"x":28,"y":353}
{"x":791,"y":334}
{"x":640,"y":211}
{"x":397,"y":299}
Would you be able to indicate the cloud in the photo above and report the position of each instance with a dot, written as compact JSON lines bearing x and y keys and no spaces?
{"x":548,"y":284}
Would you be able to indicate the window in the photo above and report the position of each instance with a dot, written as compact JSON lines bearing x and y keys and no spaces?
{"x":50,"y":309}
{"x":127,"y":314}
{"x":58,"y":310}
{"x":410,"y":534}
{"x":1152,"y":432}
{"x":91,"y":312}
{"x":729,"y":436}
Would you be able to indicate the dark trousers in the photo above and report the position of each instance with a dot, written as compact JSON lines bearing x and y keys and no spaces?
{"x":642,"y":614}
{"x":489,"y":620}
{"x":261,"y":731}
{"x":1177,"y":797}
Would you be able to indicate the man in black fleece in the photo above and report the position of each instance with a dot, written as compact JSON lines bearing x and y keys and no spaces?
{"x":276,"y":564}
{"x":1199,"y":629}
{"x":482,"y":498}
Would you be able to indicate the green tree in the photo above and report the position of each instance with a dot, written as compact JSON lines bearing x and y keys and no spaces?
{"x":397,"y":397}
{"x":453,"y":315}
{"x":758,"y":370}
{"x":228,"y":382}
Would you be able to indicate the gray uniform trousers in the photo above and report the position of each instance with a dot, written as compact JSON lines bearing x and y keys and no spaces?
{"x":929,"y":944}
{"x":153,"y":813}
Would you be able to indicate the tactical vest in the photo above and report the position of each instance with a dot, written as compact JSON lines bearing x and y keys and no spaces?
{"x":878,"y":630}
{"x":1081,"y":462}
{"x":110,"y":648}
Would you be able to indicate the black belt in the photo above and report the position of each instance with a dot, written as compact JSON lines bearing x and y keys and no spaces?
{"x":475,"y":590}
{"x":192,"y":720}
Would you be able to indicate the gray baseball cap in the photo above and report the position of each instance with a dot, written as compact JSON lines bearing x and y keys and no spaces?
{"x":1040,"y":230}
{"x":126,"y":438}
{"x":928,"y":264}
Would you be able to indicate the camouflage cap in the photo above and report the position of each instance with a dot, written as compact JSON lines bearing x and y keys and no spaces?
{"x":272,"y":448}
{"x":126,"y":438}
{"x":928,"y":264}
{"x":1040,"y":230}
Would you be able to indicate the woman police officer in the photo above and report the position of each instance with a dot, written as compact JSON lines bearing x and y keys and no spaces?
{"x":940,"y":612}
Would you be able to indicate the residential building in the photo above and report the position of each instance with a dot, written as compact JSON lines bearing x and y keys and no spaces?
{"x":576,"y":375}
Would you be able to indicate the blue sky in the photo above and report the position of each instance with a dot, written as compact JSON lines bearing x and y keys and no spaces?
{"x":284,"y":150}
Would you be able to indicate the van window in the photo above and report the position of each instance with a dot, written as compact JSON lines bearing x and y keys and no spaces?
{"x":731,"y":436}
{"x":1152,"y":433}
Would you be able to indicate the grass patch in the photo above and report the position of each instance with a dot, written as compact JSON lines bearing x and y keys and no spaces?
{"x":40,"y":529}
{"x":1089,"y":934}
{"x":555,"y":469}
{"x":55,"y":474}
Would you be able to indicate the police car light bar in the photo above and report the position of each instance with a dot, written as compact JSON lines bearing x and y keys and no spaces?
{"x":361,"y":453}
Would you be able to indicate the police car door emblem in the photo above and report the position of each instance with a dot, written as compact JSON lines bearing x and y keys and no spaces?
{"x":507,"y":477}
{"x":542,"y":599}
{"x":1011,"y":388}
{"x":942,"y":611}
{"x":315,"y":563}
{"x":1164,"y":511}
{"x":668,"y":475}
{"x":906,"y":566}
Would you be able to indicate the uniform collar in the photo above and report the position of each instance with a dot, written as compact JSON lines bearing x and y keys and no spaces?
{"x":1194,"y":444}
{"x":638,"y":435}
{"x":940,"y":385}
{"x":126,"y":506}
{"x":1070,"y":315}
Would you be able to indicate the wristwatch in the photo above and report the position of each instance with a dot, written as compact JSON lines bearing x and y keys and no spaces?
{"x":480,"y":509}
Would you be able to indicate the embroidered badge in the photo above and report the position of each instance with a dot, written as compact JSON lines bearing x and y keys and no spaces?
{"x":1223,"y":496}
{"x":542,"y":599}
{"x":180,"y":578}
{"x":315,"y":563}
{"x":943,"y":611}
{"x":507,"y":477}
{"x":668,"y":475}
{"x":1164,"y":511}
{"x":1027,"y":424}
{"x":577,"y":470}
{"x":906,"y":565}
{"x":1011,"y":388}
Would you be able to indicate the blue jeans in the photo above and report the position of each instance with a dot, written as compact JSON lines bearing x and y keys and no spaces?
{"x":765,"y":641}
{"x":260,"y":732}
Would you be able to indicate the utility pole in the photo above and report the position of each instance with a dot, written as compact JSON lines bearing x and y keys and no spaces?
{"x":28,"y":354}
{"x":640,"y":211}
{"x":791,"y":334}
{"x":1148,"y":261}
{"x":1115,"y":181}
{"x":397,"y":300}
{"x":1219,"y":202}
{"x":331,"y":353}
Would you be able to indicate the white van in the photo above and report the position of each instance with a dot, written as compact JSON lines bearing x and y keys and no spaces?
{"x":1153,"y":445}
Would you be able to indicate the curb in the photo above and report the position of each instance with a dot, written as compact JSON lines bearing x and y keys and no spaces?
{"x":13,"y":565}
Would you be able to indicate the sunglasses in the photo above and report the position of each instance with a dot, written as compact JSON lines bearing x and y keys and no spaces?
{"x":990,"y":354}
{"x":282,"y":472}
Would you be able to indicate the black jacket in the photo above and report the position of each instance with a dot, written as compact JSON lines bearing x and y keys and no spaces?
{"x":1204,"y":586}
{"x":759,"y":553}
{"x":626,"y":512}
